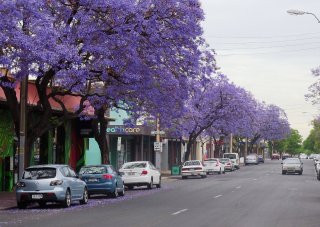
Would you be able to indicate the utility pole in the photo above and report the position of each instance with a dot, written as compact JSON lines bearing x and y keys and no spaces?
{"x":158,"y":142}
{"x":231,"y":139}
{"x":23,"y":125}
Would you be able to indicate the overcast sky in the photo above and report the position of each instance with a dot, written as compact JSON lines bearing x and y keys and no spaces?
{"x":267,"y":51}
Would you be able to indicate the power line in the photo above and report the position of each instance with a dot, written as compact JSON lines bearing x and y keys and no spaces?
{"x":254,"y":48}
{"x":274,"y":41}
{"x":261,"y":37}
{"x":274,"y":52}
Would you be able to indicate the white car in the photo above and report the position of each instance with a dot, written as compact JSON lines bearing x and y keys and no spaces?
{"x":193,"y":168}
{"x":140,"y":173}
{"x":213,"y":165}
{"x":234,"y":158}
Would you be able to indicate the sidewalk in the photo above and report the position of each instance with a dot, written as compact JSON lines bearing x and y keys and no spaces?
{"x":7,"y":200}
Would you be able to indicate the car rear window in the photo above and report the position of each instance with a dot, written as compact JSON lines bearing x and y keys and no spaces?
{"x":192,"y":163}
{"x":134,"y":165}
{"x":92,"y":170}
{"x":231,"y":156}
{"x":224,"y":160}
{"x":39,"y":173}
{"x":292,"y":161}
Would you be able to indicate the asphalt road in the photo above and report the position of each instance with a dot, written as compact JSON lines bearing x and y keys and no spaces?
{"x":252,"y":196}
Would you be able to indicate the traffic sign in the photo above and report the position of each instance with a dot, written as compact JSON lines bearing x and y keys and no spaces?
{"x":157,"y":146}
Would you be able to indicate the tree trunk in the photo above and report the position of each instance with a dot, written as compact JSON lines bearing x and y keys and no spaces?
{"x":189,"y":146}
{"x":100,"y":134}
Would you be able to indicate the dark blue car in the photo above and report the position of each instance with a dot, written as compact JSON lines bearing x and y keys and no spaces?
{"x":102,"y":179}
{"x":260,"y":158}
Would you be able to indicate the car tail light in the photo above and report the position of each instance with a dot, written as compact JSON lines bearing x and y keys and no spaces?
{"x":107,"y":176}
{"x":227,"y":164}
{"x":144,"y":172}
{"x":56,"y":182}
{"x":21,"y":184}
{"x":184,"y":169}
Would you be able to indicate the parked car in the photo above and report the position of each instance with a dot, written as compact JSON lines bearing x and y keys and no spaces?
{"x":260,"y":158}
{"x":275,"y":157}
{"x":252,"y":159}
{"x":193,"y":168}
{"x":292,"y":165}
{"x":213,"y":165}
{"x":102,"y":179}
{"x":303,"y":156}
{"x":234,"y":158}
{"x":50,"y":183}
{"x":317,"y":167}
{"x":140,"y":173}
{"x":228,"y":164}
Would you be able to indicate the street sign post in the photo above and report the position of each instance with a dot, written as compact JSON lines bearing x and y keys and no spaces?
{"x":157,"y":146}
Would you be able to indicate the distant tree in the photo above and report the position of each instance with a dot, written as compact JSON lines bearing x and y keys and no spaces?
{"x":294,"y":142}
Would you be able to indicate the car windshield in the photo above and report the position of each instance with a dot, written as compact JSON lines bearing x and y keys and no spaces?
{"x":291,"y":161}
{"x":134,"y":165}
{"x":39,"y":173}
{"x":231,"y":156}
{"x":192,"y":163}
{"x":92,"y":170}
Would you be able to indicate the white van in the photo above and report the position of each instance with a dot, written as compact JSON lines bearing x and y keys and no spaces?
{"x":234,"y":158}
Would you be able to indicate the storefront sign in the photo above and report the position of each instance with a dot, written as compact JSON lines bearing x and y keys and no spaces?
{"x":123,"y":130}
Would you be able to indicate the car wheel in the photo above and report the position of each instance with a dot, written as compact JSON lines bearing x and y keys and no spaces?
{"x":159,"y":185}
{"x":130,"y":187}
{"x":115,"y":193}
{"x":122,"y":191}
{"x":67,"y":200}
{"x":203,"y":176}
{"x":42,"y":204}
{"x":85,"y":197}
{"x":318,"y":176}
{"x":220,"y":171}
{"x":184,"y":177}
{"x":300,"y":173}
{"x":150,"y":185}
{"x":283,"y":172}
{"x":21,"y":205}
{"x":224,"y":172}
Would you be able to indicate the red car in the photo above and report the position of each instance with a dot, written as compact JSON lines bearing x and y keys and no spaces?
{"x":275,"y":156}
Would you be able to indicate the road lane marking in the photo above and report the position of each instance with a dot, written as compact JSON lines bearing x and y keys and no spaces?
{"x":238,"y":187}
{"x":254,"y":179}
{"x":217,"y":196}
{"x":179,"y":212}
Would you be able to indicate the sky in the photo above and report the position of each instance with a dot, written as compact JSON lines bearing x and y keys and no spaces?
{"x":270,"y":53}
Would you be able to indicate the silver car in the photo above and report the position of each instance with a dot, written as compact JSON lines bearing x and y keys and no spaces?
{"x":50,"y":183}
{"x":252,"y":159}
{"x":292,"y":165}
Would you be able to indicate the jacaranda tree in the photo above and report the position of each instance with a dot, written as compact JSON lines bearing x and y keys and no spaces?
{"x":138,"y":55}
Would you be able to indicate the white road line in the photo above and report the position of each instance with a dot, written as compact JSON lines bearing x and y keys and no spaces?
{"x":217,"y":196}
{"x":179,"y":212}
{"x":255,"y":179}
{"x":238,"y":187}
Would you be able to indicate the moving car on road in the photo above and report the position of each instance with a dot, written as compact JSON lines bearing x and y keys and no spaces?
{"x":260,"y":158}
{"x":275,"y":156}
{"x":140,"y":173}
{"x":50,"y":183}
{"x":193,"y":168}
{"x":252,"y":159}
{"x":102,"y":179}
{"x":228,"y":164}
{"x":213,"y":165}
{"x":292,"y":165}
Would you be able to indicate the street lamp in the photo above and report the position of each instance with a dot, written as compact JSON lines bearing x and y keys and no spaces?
{"x":299,"y":12}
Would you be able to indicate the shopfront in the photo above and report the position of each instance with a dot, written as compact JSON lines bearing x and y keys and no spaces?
{"x":130,"y":144}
